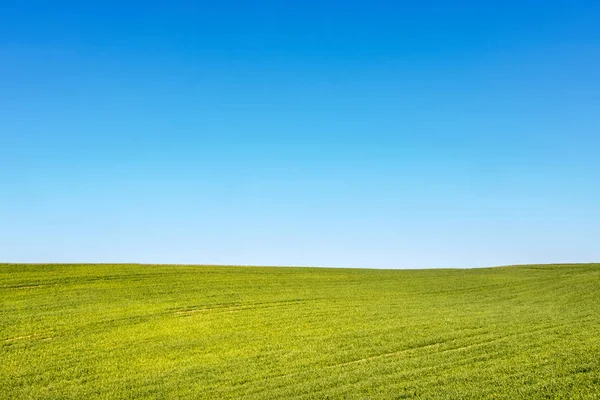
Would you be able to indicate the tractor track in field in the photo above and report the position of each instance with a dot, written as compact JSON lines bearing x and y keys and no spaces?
{"x":468,"y":346}
{"x":481,"y":343}
{"x":241,"y":307}
{"x":32,"y":336}
{"x":24,"y":287}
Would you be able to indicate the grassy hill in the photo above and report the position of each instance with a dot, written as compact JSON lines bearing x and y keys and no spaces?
{"x":137,"y":331}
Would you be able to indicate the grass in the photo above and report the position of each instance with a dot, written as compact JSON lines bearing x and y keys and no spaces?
{"x":137,"y":331}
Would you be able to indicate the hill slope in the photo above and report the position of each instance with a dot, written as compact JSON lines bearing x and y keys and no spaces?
{"x":117,"y":331}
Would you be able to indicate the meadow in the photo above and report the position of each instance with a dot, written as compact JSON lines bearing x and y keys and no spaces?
{"x":164,"y":332}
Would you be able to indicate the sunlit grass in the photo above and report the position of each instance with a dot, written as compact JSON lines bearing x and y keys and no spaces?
{"x":133,"y":331}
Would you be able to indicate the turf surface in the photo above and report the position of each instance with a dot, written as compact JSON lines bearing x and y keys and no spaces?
{"x":136,"y":331}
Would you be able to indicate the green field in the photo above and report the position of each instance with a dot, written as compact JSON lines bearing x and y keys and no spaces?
{"x":137,"y":331}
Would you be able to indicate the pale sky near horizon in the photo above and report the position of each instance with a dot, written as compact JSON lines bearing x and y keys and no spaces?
{"x":351,"y":134}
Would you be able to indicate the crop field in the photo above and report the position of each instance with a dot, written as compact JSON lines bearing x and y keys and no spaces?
{"x":142,"y":331}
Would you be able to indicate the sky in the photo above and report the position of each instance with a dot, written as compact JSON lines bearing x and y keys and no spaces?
{"x":435,"y":134}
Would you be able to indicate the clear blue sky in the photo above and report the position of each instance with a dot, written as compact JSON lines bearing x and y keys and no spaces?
{"x":357,"y":134}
